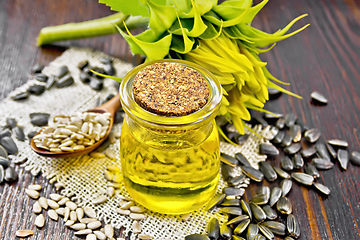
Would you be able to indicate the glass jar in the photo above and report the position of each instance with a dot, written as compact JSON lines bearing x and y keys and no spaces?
{"x":170,"y":164}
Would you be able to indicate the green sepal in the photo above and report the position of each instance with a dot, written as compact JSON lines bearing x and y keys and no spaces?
{"x":214,"y":18}
{"x":203,"y":6}
{"x":183,"y":45}
{"x":153,"y":50}
{"x":161,"y":17}
{"x":211,"y":32}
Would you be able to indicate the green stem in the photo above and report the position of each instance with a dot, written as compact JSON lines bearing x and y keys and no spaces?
{"x":92,"y":28}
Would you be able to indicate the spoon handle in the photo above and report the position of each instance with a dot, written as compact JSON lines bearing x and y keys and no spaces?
{"x":112,"y":106}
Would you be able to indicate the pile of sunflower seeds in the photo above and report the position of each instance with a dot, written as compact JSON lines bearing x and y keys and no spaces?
{"x":82,"y":220}
{"x":95,"y":81}
{"x":63,"y":78}
{"x":256,"y":219}
{"x":75,"y":132}
{"x":8,"y":148}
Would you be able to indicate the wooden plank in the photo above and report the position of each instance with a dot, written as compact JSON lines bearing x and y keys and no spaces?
{"x":324,"y":57}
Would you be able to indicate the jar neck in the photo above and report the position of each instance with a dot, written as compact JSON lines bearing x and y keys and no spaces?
{"x":157,"y":122}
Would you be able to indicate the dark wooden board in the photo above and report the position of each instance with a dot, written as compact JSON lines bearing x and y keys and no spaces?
{"x":325,"y":57}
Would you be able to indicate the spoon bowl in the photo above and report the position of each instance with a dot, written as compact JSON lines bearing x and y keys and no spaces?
{"x":112,"y":106}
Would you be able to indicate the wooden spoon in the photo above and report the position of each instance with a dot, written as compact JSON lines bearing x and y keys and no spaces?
{"x":112,"y":106}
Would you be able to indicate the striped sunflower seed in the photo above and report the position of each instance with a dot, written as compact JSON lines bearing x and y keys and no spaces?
{"x":242,"y":159}
{"x":252,"y":231}
{"x":266,"y":231}
{"x":290,"y":119}
{"x":275,"y":195}
{"x":268,"y":171}
{"x":229,"y":160}
{"x":241,"y":227}
{"x":331,"y":150}
{"x":285,"y":186}
{"x":308,"y":152}
{"x":293,"y":226}
{"x":215,"y":201}
{"x":270,"y":213}
{"x":264,"y":190}
{"x":286,"y":163}
{"x":355,"y":158}
{"x":284,"y":206}
{"x":311,"y":170}
{"x":338,"y":143}
{"x":257,"y":211}
{"x":259,"y":237}
{"x":303,"y":178}
{"x":281,"y":173}
{"x":293,"y":148}
{"x":213,"y":228}
{"x":322,"y":151}
{"x":322,"y":188}
{"x":343,"y":157}
{"x":322,"y":164}
{"x":268,"y":149}
{"x":260,"y":199}
{"x":295,"y":133}
{"x":298,"y":161}
{"x":246,"y":208}
{"x":277,"y":228}
{"x":253,"y":173}
{"x":235,"y":211}
{"x":238,"y":219}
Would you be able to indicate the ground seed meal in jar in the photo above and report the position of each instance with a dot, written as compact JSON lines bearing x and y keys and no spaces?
{"x":169,"y":144}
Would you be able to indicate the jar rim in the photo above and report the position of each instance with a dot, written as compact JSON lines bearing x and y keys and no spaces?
{"x":133,"y":109}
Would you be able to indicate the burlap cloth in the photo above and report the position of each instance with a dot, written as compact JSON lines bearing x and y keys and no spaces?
{"x":82,"y":178}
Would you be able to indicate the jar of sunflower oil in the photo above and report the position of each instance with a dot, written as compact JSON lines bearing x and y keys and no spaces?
{"x":169,"y":145}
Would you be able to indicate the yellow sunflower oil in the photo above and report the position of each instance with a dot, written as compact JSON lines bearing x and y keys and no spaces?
{"x":170,"y":149}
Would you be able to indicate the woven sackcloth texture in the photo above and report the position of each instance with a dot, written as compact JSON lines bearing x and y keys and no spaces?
{"x":82,"y":178}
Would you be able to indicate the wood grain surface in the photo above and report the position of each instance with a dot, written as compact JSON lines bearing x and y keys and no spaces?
{"x":325,"y":57}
